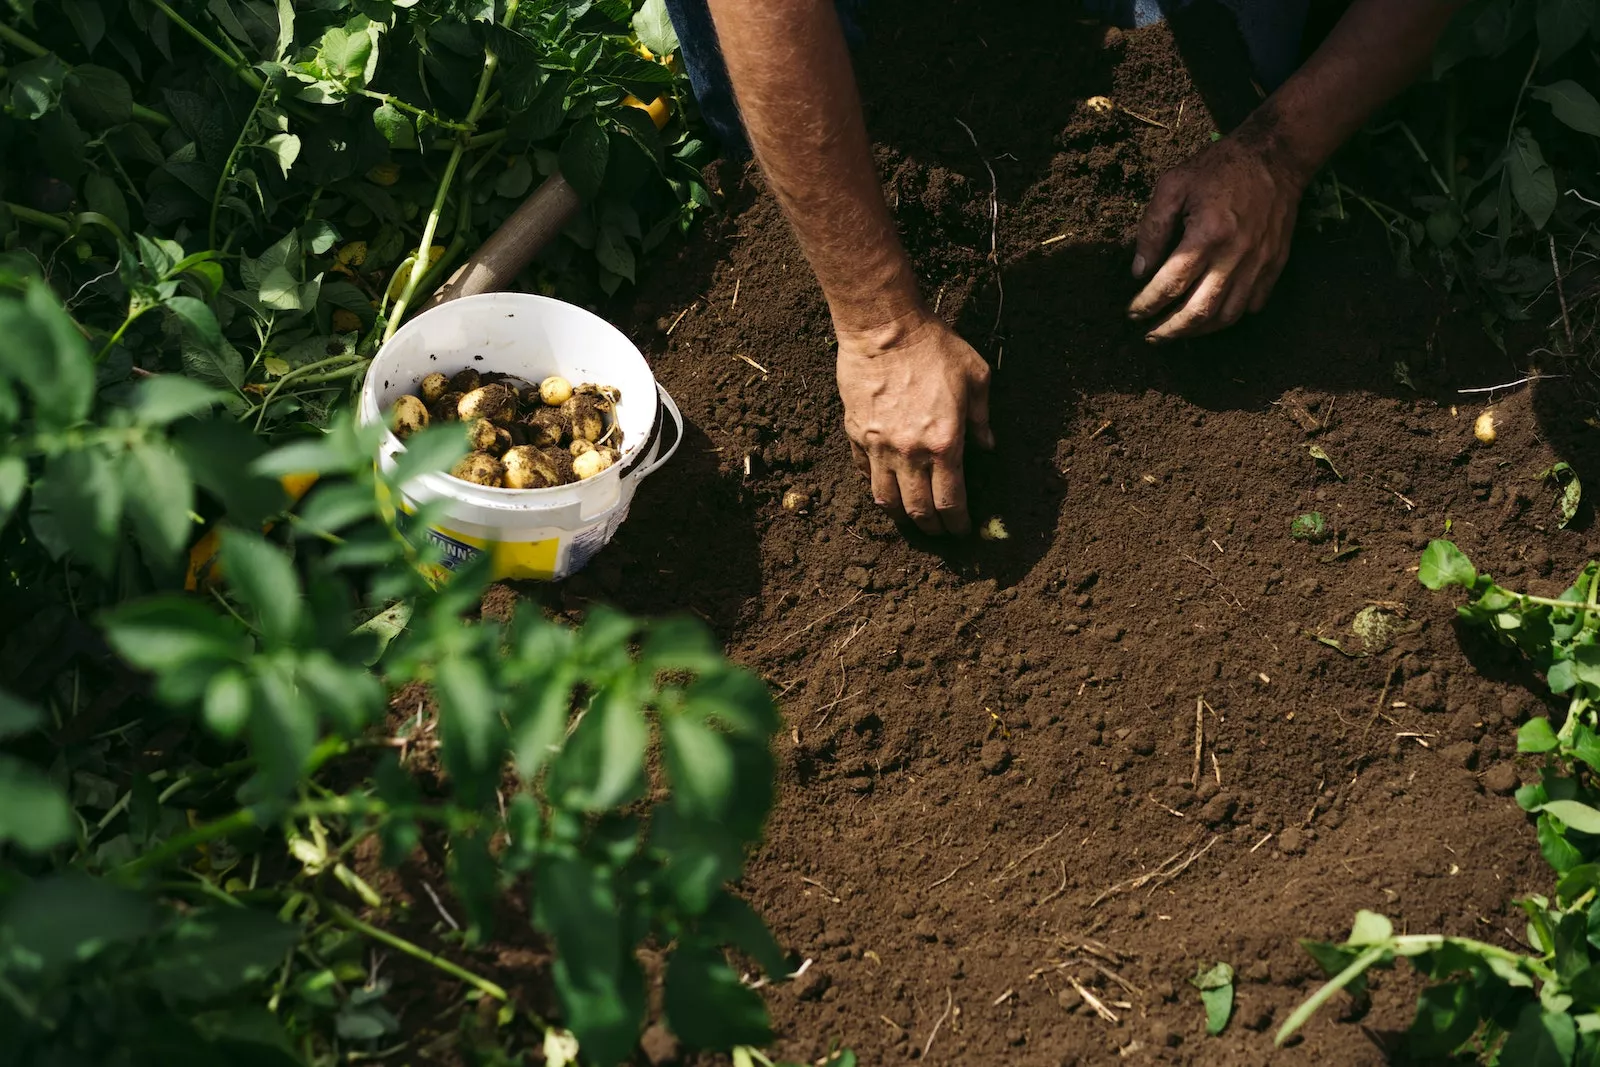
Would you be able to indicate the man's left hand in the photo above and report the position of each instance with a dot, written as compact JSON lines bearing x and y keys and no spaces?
{"x":1237,"y":209}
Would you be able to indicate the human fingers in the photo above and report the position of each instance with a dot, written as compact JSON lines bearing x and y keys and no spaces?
{"x":1267,"y":280}
{"x":858,"y":456}
{"x":1177,"y":275}
{"x":1159,"y":221}
{"x":885,"y":485}
{"x":950,"y":494}
{"x":916,"y":495}
{"x":978,"y":428}
{"x":1201,"y":308}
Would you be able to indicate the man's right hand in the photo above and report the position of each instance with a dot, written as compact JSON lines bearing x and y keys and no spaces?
{"x":912,"y":391}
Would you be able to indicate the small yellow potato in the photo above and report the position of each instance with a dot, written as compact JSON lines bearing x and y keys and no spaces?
{"x":433,"y":387}
{"x":555,"y":390}
{"x":408,"y":416}
{"x":583,"y":418}
{"x":1483,"y":428}
{"x":546,"y":427}
{"x":488,"y":402}
{"x":485,"y":436}
{"x":592,"y":463}
{"x":465,"y":381}
{"x":527,"y":467}
{"x":479,"y":468}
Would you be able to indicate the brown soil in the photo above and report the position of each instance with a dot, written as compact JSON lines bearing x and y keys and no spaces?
{"x":987,"y":743}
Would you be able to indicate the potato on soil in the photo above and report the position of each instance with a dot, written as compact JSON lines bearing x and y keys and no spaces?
{"x":479,"y":468}
{"x":606,"y":396}
{"x":527,"y":467}
{"x":465,"y":381}
{"x":408,"y":416}
{"x":579,"y":446}
{"x":555,"y":390}
{"x":1483,"y":428}
{"x":583,"y":418}
{"x":485,"y":436}
{"x":445,"y":409}
{"x":433,"y":387}
{"x":546,"y":428}
{"x":488,"y":402}
{"x":592,"y":463}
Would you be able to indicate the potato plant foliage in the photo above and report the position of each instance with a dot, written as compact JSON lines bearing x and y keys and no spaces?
{"x":1539,"y":1008}
{"x":212,"y":212}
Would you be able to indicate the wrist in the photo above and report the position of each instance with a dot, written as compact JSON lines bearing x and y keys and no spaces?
{"x":872,"y":338}
{"x":1289,"y":148}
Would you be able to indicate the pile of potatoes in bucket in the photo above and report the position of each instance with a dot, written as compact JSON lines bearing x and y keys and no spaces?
{"x":522,"y":437}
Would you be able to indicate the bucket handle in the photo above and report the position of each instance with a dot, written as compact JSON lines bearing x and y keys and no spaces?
{"x":669,"y":407}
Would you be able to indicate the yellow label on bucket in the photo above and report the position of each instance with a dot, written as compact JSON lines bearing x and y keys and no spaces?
{"x":508,"y":559}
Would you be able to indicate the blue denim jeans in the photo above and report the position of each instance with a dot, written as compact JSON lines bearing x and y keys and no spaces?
{"x":1271,"y":30}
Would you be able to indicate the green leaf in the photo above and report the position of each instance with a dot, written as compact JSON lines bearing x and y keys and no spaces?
{"x":13,"y":483}
{"x":88,"y":21}
{"x":160,"y":498}
{"x":17,"y":716}
{"x":1586,"y":745}
{"x":82,"y":493}
{"x":1540,"y":1039}
{"x":166,"y":398}
{"x":584,"y":154}
{"x":67,"y":918}
{"x":732,"y":921}
{"x":99,"y":97}
{"x":45,"y":353}
{"x":602,"y":765}
{"x":614,"y":253}
{"x":435,"y":449}
{"x":707,"y":1006}
{"x":396,"y":127}
{"x":1447,"y":1016}
{"x":1443,"y":564}
{"x":34,"y":812}
{"x":515,"y":180}
{"x":199,"y":320}
{"x":227,"y":706}
{"x":1561,"y":24}
{"x":1370,"y":928}
{"x":700,"y":763}
{"x":470,"y":732}
{"x":595,"y":974}
{"x":261,"y":577}
{"x":36,"y":86}
{"x":1533,"y":183}
{"x":679,"y":644}
{"x":1572,"y":104}
{"x":1535,"y":735}
{"x":737,"y":700}
{"x":164,"y":635}
{"x":1216,"y":993}
{"x":104,"y":196}
{"x":216,"y":952}
{"x":1558,"y":852}
{"x":1571,"y":493}
{"x":1575,"y":814}
{"x":285,"y":148}
{"x":653,"y":27}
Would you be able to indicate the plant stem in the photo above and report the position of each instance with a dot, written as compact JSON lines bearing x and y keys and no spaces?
{"x":26,"y":44}
{"x":395,"y":102}
{"x":245,"y":74}
{"x":419,"y":267}
{"x":345,"y":918}
{"x":173,"y":847}
{"x":299,"y":374}
{"x":40,"y":219}
{"x":1516,"y":108}
{"x":133,"y":316}
{"x":227,"y":168}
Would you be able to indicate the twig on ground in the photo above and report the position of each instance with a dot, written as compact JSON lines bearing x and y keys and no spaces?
{"x":1561,"y":292}
{"x":949,"y":1003}
{"x":1014,"y":864}
{"x":1512,"y":385}
{"x":1165,"y":872}
{"x":994,"y":226}
{"x":1216,"y":769}
{"x":1258,"y":844}
{"x":959,"y":868}
{"x":1151,"y":797}
{"x":825,"y":890}
{"x":1003,"y":997}
{"x":1199,"y":740}
{"x":1093,"y":1001}
{"x":1146,"y":119}
{"x":807,"y":627}
{"x":735,"y":301}
{"x":439,"y":904}
{"x":679,"y":319}
{"x":1058,"y":890}
{"x":753,"y":363}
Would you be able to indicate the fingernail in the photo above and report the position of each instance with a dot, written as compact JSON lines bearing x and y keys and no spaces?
{"x":1138,"y":266}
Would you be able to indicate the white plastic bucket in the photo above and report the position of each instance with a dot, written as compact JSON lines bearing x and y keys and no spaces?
{"x":529,"y":533}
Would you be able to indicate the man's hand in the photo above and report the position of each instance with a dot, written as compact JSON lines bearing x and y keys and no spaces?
{"x":1236,"y":205}
{"x":912,"y":392}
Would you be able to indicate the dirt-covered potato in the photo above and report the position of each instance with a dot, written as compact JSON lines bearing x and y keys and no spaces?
{"x":485,"y":436}
{"x":465,"y":381}
{"x":488,"y":402}
{"x":480,"y":468}
{"x":607,"y":396}
{"x":592,"y":463}
{"x":444,"y":409}
{"x":407,"y":417}
{"x":579,"y":446}
{"x":555,"y":390}
{"x":527,"y":467}
{"x":433,"y":387}
{"x":546,"y":428}
{"x":583,"y":418}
